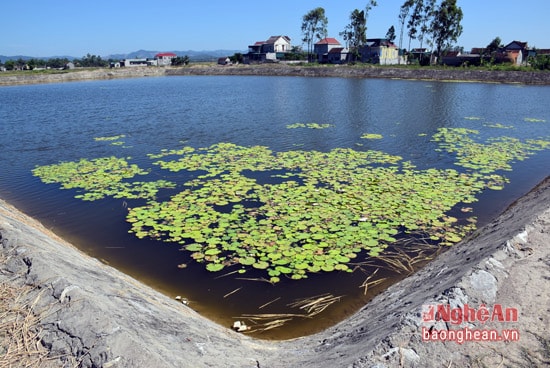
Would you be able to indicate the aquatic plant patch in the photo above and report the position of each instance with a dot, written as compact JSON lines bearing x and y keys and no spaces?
{"x":372,"y":136}
{"x":498,"y":125}
{"x":100,"y":178}
{"x":309,"y":126}
{"x":315,"y":212}
{"x":486,"y":157}
{"x":110,"y":138}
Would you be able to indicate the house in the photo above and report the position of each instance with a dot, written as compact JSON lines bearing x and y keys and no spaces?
{"x":134,"y":62}
{"x":277,"y":44}
{"x":164,"y":58}
{"x":379,"y":51}
{"x":270,"y":50}
{"x":338,"y":55}
{"x":329,"y":50}
{"x":224,"y":61}
{"x":456,"y":58}
{"x":421,"y":55}
{"x":516,"y":52}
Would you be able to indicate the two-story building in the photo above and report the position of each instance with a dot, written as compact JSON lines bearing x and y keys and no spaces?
{"x":270,"y":50}
{"x":160,"y":59}
{"x":379,"y":51}
{"x":515,"y":52}
{"x":329,"y":50}
{"x":165,"y":58}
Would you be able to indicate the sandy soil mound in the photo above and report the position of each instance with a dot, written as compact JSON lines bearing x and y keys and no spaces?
{"x":87,"y":314}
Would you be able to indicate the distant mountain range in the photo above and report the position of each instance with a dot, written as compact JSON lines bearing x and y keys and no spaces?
{"x":205,"y":55}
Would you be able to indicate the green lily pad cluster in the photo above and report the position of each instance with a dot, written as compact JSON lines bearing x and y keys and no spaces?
{"x":331,"y":207}
{"x":110,"y":138}
{"x":100,"y":178}
{"x":498,"y":125}
{"x":534,"y":120}
{"x":372,"y":136}
{"x":497,"y":154}
{"x":309,"y":125}
{"x":298,"y":212}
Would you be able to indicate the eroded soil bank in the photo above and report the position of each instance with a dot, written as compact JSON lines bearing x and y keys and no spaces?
{"x":362,"y":71}
{"x":91,"y":315}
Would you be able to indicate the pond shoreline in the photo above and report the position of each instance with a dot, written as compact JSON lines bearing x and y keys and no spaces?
{"x":444,"y":74}
{"x":88,"y":314}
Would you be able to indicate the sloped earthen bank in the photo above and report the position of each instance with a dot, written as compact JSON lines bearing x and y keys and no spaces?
{"x":446,"y":74}
{"x":91,"y":315}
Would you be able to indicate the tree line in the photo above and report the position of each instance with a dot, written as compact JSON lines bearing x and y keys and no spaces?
{"x":87,"y":61}
{"x":437,"y":24}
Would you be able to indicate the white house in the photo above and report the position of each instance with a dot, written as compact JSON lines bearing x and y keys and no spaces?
{"x":269,"y":50}
{"x":165,"y":58}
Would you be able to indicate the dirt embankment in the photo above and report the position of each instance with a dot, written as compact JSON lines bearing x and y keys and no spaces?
{"x":25,"y":77}
{"x":450,"y":74}
{"x":88,"y":314}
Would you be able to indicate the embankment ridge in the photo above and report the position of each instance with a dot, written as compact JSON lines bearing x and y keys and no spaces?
{"x":443,"y":74}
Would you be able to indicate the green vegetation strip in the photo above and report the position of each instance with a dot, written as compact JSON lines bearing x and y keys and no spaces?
{"x":317,"y":214}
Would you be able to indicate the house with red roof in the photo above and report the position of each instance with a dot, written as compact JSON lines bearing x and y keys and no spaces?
{"x":329,"y":50}
{"x":164,"y":58}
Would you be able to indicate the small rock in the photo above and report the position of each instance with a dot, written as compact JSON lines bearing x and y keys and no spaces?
{"x":485,"y":284}
{"x":240,"y":326}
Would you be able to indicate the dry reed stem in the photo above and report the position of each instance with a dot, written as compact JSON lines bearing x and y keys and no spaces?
{"x":267,"y":316}
{"x":19,"y":329}
{"x":268,"y":303}
{"x":232,"y":292}
{"x":368,"y":284}
{"x":270,"y":325}
{"x":401,"y":260}
{"x":316,"y":304}
{"x":226,"y":274}
{"x":261,"y":279}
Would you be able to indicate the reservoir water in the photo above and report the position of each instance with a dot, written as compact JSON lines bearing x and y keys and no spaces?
{"x":47,"y":124}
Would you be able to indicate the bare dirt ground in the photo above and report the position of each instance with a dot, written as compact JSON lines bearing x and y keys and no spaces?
{"x":61,"y":308}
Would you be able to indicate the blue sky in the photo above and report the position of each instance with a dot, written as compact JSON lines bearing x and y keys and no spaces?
{"x":45,"y":28}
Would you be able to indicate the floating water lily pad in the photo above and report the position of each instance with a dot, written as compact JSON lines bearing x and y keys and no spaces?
{"x":323,"y":209}
{"x":214,"y":267}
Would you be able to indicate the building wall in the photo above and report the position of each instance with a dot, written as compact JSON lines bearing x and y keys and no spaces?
{"x":380,"y":55}
{"x":280,"y":45}
{"x":164,"y":61}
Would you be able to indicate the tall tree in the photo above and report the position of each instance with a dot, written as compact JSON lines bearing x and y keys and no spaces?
{"x":403,"y":15}
{"x":445,"y":26}
{"x":426,"y":15}
{"x":494,"y":46}
{"x":422,"y":13}
{"x":390,"y":35}
{"x":355,"y":33}
{"x":414,"y":19}
{"x":314,"y":27}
